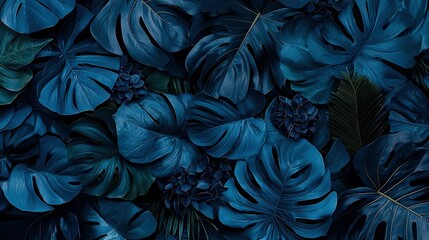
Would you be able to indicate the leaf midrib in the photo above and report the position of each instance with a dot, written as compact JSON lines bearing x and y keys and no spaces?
{"x":401,"y":205}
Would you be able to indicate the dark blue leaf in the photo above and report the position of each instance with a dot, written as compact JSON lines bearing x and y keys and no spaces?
{"x":149,"y":31}
{"x":38,"y":187}
{"x":227,"y":130}
{"x":370,"y":46}
{"x":28,"y":16}
{"x":16,"y":52}
{"x":306,"y":76}
{"x":394,"y":198}
{"x":78,"y":74}
{"x":113,"y":219}
{"x":408,"y":112}
{"x":239,"y":52}
{"x":152,"y":132}
{"x":93,"y":151}
{"x":58,"y":224}
{"x":12,"y":116}
{"x":287,"y":193}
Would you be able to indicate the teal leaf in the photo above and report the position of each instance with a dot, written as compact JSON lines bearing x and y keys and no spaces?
{"x":93,"y":151}
{"x":16,"y":52}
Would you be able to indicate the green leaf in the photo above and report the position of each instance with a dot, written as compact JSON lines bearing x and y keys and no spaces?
{"x":184,"y":226}
{"x":357,"y":112}
{"x":161,"y":82}
{"x":16,"y":51}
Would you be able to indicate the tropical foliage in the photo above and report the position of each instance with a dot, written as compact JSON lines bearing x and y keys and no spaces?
{"x":208,"y":119}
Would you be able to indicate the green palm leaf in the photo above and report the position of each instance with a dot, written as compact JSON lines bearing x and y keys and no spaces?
{"x":357,"y":112}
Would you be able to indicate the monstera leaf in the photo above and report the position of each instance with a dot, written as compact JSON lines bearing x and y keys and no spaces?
{"x":57,"y":224}
{"x":16,"y":51}
{"x":78,"y":74}
{"x":239,"y":52}
{"x":284,"y":193}
{"x":152,"y":132}
{"x":306,"y":76}
{"x":93,"y":150}
{"x":149,"y":31}
{"x":40,"y":186}
{"x":227,"y":130}
{"x":13,"y":116}
{"x":113,"y":219}
{"x":370,"y":37}
{"x":393,"y":202}
{"x":28,"y":16}
{"x":408,"y":112}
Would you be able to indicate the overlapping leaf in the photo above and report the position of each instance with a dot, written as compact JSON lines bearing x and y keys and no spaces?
{"x":16,"y":51}
{"x":79,"y":74}
{"x":370,"y":37}
{"x":28,"y":16}
{"x":306,"y":76}
{"x":227,"y":130}
{"x":152,"y":132}
{"x":39,"y":186}
{"x":239,"y":53}
{"x":57,"y":224}
{"x":149,"y":31}
{"x":393,"y":202}
{"x":93,"y":151}
{"x":286,"y":193}
{"x":113,"y":219}
{"x":408,"y":112}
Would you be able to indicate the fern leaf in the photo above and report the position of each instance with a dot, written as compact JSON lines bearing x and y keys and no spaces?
{"x":357,"y":112}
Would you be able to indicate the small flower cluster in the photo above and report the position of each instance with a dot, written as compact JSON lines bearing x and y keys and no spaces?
{"x":200,"y":183}
{"x":295,"y":117}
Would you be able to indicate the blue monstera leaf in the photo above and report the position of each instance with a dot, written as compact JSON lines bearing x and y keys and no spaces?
{"x":39,"y":186}
{"x":307,"y":76}
{"x":407,"y":113}
{"x":152,"y":131}
{"x":79,"y":74}
{"x":17,"y":145}
{"x":57,"y":224}
{"x":370,"y":37}
{"x":419,"y":14}
{"x":113,"y":219}
{"x":93,"y":151}
{"x":286,"y":193}
{"x":227,"y":130}
{"x":13,"y":116}
{"x":393,"y":201}
{"x":28,"y":16}
{"x":238,"y":53}
{"x":149,"y":31}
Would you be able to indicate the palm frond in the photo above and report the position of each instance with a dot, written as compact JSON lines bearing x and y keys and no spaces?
{"x":357,"y":112}
{"x":189,"y":226}
{"x":419,"y":72}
